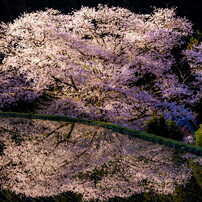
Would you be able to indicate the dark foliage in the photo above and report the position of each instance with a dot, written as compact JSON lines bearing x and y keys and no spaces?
{"x":1,"y":147}
{"x":159,"y":126}
{"x":8,"y":196}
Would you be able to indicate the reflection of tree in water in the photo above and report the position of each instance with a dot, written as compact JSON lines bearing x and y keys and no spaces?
{"x":45,"y":158}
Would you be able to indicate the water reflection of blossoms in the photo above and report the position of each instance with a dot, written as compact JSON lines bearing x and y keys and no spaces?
{"x":45,"y":158}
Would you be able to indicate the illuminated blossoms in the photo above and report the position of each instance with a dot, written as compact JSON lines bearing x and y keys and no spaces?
{"x":100,"y":63}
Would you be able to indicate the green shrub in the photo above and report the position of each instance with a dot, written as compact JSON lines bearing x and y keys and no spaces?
{"x":159,"y":126}
{"x":198,"y":136}
{"x":195,"y":39}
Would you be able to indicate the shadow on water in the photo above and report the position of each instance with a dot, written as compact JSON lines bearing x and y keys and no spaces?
{"x":43,"y":160}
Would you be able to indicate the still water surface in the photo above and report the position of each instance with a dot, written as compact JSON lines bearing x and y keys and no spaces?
{"x":42,"y":160}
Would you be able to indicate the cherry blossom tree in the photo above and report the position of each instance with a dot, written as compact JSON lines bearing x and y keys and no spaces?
{"x":100,"y":63}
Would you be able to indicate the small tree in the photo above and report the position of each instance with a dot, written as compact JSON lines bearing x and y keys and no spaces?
{"x":173,"y":131}
{"x":159,"y":126}
{"x":198,"y":136}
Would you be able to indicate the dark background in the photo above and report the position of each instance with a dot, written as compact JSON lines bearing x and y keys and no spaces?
{"x":192,"y":9}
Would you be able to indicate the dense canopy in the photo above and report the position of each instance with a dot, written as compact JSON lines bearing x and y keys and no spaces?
{"x":102,"y":63}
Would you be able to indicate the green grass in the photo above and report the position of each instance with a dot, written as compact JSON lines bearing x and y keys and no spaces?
{"x":146,"y":136}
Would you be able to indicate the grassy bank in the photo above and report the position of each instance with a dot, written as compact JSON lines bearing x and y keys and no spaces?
{"x":150,"y":137}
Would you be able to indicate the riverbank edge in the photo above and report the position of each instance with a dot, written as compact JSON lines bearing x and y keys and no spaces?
{"x":117,"y":128}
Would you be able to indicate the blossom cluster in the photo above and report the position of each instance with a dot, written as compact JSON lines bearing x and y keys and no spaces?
{"x":101,"y":63}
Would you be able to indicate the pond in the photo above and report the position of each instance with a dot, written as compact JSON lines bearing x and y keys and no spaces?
{"x":45,"y":160}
